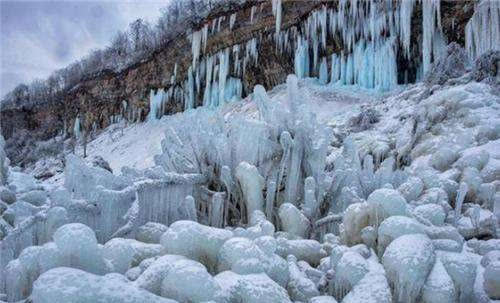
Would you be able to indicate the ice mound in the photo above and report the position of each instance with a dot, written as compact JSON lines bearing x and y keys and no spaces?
{"x":195,"y":241}
{"x":76,"y":286}
{"x":251,"y":288}
{"x":407,"y":261}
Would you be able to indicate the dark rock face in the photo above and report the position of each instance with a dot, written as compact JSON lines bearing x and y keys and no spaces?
{"x":452,"y":65}
{"x":101,"y":96}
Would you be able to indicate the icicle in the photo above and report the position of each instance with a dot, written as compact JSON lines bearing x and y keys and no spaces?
{"x":232,"y":20}
{"x":208,"y":84}
{"x":276,"y":4}
{"x":190,"y":90}
{"x":252,"y":13}
{"x":223,"y":72}
{"x":205,"y":37}
{"x":76,"y":128}
{"x":430,"y":8}
{"x":482,"y":32}
{"x":196,"y":46}
{"x":217,"y":210}
{"x":405,"y":13}
{"x":323,"y":72}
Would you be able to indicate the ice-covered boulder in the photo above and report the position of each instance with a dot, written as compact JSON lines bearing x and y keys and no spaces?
{"x":384,"y":203}
{"x":252,"y":185}
{"x":477,"y":222}
{"x":411,"y":189}
{"x":78,"y":243}
{"x":251,"y":288}
{"x":300,"y":287}
{"x":443,"y":158}
{"x":189,"y":281}
{"x":322,"y":299}
{"x":492,"y":256}
{"x":439,"y":287}
{"x":350,"y":269}
{"x":195,"y":241}
{"x":236,"y":252}
{"x":394,"y":227}
{"x":431,"y":213}
{"x":303,"y":249}
{"x":22,"y":182}
{"x":151,"y":278}
{"x":7,"y":195}
{"x":150,"y":232}
{"x":35,"y":197}
{"x":407,"y":262}
{"x":356,"y":217}
{"x":492,"y":280}
{"x":293,"y":220}
{"x":447,"y":245}
{"x":120,"y":253}
{"x":372,"y":288}
{"x":76,"y":286}
{"x":461,"y":267}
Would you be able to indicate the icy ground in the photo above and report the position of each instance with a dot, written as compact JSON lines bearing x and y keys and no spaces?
{"x":307,"y":193}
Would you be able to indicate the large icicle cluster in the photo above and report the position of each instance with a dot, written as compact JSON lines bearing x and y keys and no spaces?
{"x":272,"y":199}
{"x":482,"y":32}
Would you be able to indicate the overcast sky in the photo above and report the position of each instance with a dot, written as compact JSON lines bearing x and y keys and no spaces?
{"x":40,"y":36}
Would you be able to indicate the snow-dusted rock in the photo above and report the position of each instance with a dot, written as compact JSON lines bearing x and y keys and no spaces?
{"x":407,"y":261}
{"x":76,"y":286}
{"x":195,"y":241}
